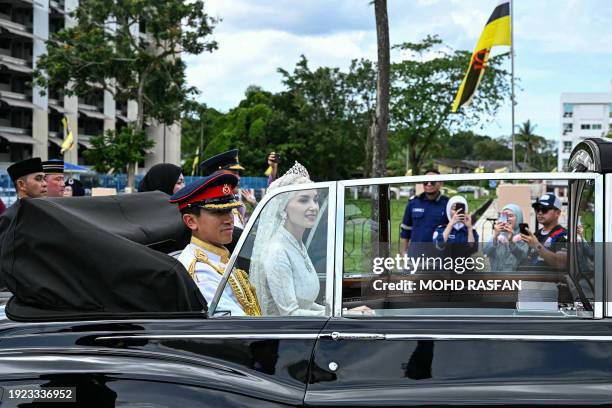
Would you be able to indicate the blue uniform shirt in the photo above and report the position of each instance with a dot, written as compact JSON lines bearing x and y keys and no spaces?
{"x":457,"y":244}
{"x":421,"y":218}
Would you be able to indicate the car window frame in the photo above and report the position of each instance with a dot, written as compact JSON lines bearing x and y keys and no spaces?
{"x":602,"y":270}
{"x":332,"y":201}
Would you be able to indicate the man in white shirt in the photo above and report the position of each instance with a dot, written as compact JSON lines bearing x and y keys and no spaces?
{"x":206,"y":207}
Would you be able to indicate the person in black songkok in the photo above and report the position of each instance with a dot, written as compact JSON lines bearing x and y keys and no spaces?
{"x":164,"y":177}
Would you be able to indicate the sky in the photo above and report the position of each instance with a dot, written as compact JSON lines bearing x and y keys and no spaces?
{"x":560,"y":46}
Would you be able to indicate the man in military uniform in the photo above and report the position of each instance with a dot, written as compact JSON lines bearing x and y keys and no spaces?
{"x":54,"y":176}
{"x":227,"y":162}
{"x":206,"y":208}
{"x":29,"y":180}
{"x":421,"y":217}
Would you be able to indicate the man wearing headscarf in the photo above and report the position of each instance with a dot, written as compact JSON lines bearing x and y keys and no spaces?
{"x":164,"y":177}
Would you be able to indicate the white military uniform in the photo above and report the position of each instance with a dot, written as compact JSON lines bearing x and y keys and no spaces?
{"x":207,"y":278}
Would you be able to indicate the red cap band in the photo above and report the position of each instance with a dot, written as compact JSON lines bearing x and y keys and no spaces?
{"x":212,"y":192}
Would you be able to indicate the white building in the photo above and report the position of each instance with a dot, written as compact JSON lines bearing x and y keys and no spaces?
{"x":583,"y":115}
{"x":30,"y":124}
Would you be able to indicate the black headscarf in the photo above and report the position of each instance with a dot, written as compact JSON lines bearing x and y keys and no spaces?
{"x":161,"y":177}
{"x":77,"y":187}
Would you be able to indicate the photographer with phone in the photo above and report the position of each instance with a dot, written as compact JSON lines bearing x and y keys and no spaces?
{"x":457,"y":238}
{"x":506,"y":250}
{"x":548,"y":246}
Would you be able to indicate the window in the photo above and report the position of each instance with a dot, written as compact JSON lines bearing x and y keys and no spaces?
{"x":585,"y":126}
{"x":567,"y":147}
{"x":283,"y":261}
{"x":568,"y":109}
{"x":401,"y":257}
{"x":596,"y":126}
{"x":567,"y":128}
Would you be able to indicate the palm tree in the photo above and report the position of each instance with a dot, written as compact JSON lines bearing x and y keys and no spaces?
{"x":529,"y":140}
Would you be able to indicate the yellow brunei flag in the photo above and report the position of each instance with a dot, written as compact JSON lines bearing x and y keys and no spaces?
{"x":196,"y":160}
{"x":496,"y":32}
{"x":68,"y":138}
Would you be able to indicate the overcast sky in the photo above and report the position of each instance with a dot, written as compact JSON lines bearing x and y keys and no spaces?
{"x":561,"y":46}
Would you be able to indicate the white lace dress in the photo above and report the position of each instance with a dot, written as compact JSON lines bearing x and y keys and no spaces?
{"x":287,"y":283}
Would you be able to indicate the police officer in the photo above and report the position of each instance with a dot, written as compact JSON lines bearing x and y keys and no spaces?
{"x":54,"y":176}
{"x":227,"y":162}
{"x":421,"y":217}
{"x":206,"y":207}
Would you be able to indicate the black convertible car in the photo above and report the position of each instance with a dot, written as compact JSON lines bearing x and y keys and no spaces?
{"x":102,"y":315}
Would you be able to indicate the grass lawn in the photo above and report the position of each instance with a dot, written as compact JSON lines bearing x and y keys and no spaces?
{"x":358,"y":229}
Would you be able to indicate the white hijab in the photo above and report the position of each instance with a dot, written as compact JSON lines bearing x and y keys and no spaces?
{"x":449,"y":206}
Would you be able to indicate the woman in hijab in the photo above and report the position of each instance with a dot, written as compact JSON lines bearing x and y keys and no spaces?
{"x":506,"y":250}
{"x":459,"y":232}
{"x":73,"y":188}
{"x":164,"y":177}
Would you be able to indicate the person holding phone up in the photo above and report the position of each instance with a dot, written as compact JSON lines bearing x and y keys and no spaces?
{"x":458,"y":237}
{"x":506,"y":250}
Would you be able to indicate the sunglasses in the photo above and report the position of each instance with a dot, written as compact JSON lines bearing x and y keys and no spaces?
{"x":431,"y":183}
{"x":542,"y":210}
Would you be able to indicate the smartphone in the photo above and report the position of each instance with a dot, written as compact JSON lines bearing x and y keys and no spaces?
{"x":524,"y":227}
{"x":503,"y":217}
{"x":460,"y":208}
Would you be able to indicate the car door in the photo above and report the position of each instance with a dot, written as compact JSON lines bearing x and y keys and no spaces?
{"x":208,"y":361}
{"x":547,"y":343}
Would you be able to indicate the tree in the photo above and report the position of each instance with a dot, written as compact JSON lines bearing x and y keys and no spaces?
{"x":529,"y":140}
{"x":114,"y":150}
{"x":106,"y":48}
{"x":380,"y":122}
{"x":422,"y":90}
{"x":199,"y":126}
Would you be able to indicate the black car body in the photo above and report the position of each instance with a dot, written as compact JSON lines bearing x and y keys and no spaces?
{"x":440,"y":348}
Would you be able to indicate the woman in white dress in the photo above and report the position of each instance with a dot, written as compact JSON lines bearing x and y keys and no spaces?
{"x":281,"y":270}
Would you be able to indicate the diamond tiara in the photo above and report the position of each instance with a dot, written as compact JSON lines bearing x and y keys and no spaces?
{"x":299,"y":170}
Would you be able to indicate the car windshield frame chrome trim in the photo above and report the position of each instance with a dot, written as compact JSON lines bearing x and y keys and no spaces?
{"x":598,"y":178}
{"x":331,"y":187}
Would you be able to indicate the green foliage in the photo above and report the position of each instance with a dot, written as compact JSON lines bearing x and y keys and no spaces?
{"x":322,"y":118}
{"x":113,"y":150}
{"x":423,"y":88}
{"x":106,"y":49}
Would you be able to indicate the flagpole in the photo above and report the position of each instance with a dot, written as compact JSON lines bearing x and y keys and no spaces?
{"x":512,"y":82}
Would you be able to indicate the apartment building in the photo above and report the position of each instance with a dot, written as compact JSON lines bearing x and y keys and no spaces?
{"x":583,"y":115}
{"x":30,"y":124}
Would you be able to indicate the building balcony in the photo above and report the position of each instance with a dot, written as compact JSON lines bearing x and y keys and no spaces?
{"x":14,"y":29}
{"x":57,"y":6}
{"x":56,"y":138}
{"x":16,"y":100}
{"x":57,"y":106}
{"x":17,"y":135}
{"x":91,"y":112}
{"x":16,"y":64}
